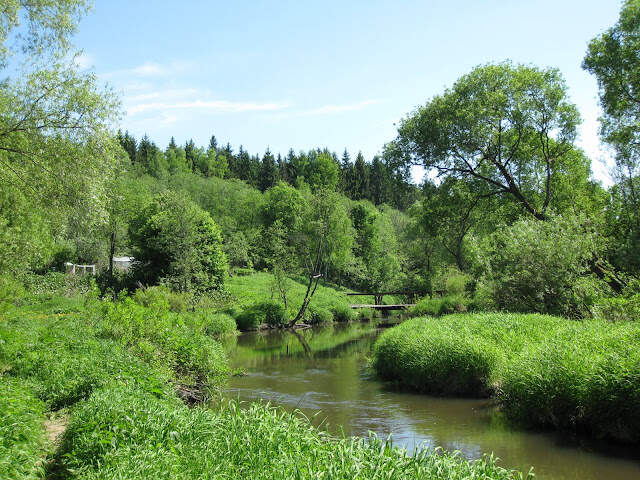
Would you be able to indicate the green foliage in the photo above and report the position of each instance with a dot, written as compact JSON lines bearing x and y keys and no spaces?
{"x":544,"y":267}
{"x":161,"y":298}
{"x":125,"y":434}
{"x":218,"y":324}
{"x":256,"y":288}
{"x":509,"y":127}
{"x":544,"y":371}
{"x":437,"y":306}
{"x":366,"y":314}
{"x":619,"y":309}
{"x":342,"y":312}
{"x":177,"y":242}
{"x":319,"y":315}
{"x":21,"y":431}
{"x":63,"y":361}
{"x":164,"y":339}
{"x":11,"y":292}
{"x":434,"y":356}
{"x":584,"y":377}
{"x":267,"y":312}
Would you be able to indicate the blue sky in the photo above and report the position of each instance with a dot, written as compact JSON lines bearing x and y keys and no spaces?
{"x":334,"y":74}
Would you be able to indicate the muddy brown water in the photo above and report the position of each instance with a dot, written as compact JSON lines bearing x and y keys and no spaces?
{"x":324,"y":373}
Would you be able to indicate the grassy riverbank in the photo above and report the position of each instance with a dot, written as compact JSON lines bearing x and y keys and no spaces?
{"x":544,"y":371}
{"x":117,"y":377}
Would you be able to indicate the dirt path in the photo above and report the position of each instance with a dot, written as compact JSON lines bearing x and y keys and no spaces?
{"x":55,"y":427}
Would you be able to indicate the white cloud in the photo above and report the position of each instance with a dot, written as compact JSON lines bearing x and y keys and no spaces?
{"x":150,"y":69}
{"x":329,"y":109}
{"x":216,"y":106}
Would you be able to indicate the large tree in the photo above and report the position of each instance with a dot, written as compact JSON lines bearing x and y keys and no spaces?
{"x":510,"y":126}
{"x":56,"y":148}
{"x":614,"y":59}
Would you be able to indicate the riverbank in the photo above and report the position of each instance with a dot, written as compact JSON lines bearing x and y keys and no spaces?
{"x":123,"y":373}
{"x":581,"y":376}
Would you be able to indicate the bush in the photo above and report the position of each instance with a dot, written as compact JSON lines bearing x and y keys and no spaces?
{"x":11,"y":292}
{"x":536,"y":266}
{"x":218,"y":324}
{"x":21,"y":431}
{"x":163,"y":338}
{"x":268,"y":312}
{"x":440,"y":306}
{"x":161,"y":297}
{"x":319,"y":315}
{"x":342,"y":313}
{"x":619,"y":309}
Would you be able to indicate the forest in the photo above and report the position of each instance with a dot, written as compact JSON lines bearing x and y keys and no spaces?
{"x":522,"y":270}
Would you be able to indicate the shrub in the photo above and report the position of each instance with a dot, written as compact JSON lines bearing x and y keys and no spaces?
{"x":319,"y":315}
{"x":11,"y":291}
{"x":342,"y":312}
{"x":268,"y":312}
{"x":619,"y":309}
{"x":161,"y":297}
{"x":21,"y":431}
{"x":218,"y":324}
{"x":535,"y":266}
{"x":163,"y":338}
{"x":440,"y":306}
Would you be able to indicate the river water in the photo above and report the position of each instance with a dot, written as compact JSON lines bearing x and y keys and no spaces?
{"x":324,"y":373}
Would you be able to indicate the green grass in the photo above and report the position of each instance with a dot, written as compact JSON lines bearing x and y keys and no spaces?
{"x":123,"y":434}
{"x":250,"y":290}
{"x":21,"y":431}
{"x":115,"y":368}
{"x":544,"y":371}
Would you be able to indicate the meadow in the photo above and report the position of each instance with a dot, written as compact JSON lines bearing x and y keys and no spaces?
{"x":543,"y":371}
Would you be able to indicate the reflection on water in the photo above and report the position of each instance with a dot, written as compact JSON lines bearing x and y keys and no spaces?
{"x":325,"y":375}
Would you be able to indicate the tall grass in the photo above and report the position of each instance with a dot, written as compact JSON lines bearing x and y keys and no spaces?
{"x":544,"y":371}
{"x":21,"y":431}
{"x":123,"y":434}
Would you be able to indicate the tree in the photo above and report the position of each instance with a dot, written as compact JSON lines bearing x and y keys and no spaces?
{"x":512,"y":127}
{"x":55,"y":144}
{"x":177,"y":242}
{"x":325,"y":238}
{"x":322,"y":172}
{"x":613,"y":58}
{"x":268,"y":172}
{"x":360,"y":178}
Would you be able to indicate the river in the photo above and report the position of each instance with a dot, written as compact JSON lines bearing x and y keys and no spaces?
{"x":324,"y":373}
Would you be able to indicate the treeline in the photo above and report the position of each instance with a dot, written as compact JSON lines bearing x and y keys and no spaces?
{"x":381,"y":181}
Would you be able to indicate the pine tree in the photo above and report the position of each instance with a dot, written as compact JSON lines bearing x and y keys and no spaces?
{"x":268,"y":172}
{"x":346,"y":174}
{"x":360,"y":178}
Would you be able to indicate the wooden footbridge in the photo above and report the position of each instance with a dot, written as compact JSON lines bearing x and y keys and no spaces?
{"x":377,"y":299}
